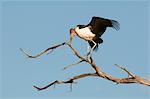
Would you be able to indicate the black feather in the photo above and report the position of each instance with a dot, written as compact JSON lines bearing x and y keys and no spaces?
{"x":97,"y":41}
{"x":81,"y":26}
{"x":115,"y":24}
{"x":98,"y":27}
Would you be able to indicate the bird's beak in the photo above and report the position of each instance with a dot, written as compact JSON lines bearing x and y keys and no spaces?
{"x":72,"y":34}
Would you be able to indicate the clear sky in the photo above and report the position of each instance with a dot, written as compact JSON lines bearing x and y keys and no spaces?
{"x":37,"y":25}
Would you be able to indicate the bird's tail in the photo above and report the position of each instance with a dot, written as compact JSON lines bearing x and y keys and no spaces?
{"x":115,"y":24}
{"x":97,"y":41}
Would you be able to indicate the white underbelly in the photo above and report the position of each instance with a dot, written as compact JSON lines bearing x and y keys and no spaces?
{"x":84,"y":33}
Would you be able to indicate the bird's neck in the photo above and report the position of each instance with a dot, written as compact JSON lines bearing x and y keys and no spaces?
{"x":76,"y":31}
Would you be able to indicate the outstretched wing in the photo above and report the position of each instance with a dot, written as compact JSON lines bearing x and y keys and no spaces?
{"x":99,"y":25}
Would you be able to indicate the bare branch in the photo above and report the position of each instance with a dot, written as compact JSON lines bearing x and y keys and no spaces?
{"x":98,"y":72}
{"x":43,"y":52}
{"x":132,"y":79}
{"x":76,"y":53}
{"x":71,"y":81}
{"x":78,"y":62}
{"x":53,"y":83}
{"x":129,"y":73}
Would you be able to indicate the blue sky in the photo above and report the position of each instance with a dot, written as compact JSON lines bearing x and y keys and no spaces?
{"x":36,"y":25}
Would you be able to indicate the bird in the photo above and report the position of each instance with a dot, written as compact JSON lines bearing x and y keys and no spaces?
{"x":93,"y":31}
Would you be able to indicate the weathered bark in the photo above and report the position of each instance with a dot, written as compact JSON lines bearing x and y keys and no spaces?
{"x":98,"y":72}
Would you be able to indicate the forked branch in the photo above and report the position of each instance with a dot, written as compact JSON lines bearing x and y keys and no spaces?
{"x":98,"y":72}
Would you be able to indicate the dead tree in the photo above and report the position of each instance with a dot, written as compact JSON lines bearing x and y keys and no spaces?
{"x":132,"y":78}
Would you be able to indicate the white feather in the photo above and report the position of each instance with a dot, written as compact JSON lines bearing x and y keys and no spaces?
{"x":84,"y":33}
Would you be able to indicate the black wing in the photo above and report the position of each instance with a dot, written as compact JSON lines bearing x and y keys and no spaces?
{"x":99,"y":25}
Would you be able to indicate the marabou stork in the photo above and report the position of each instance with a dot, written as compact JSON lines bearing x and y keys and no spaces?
{"x":93,"y":31}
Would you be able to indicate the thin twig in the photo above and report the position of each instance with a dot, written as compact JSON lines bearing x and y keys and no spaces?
{"x":53,"y":83}
{"x":129,"y":73}
{"x":70,"y":87}
{"x":80,"y":61}
{"x":43,"y":52}
{"x":69,"y":81}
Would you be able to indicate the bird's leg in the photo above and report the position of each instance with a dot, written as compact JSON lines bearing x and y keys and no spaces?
{"x":88,"y":50}
{"x":88,"y":47}
{"x":92,"y":48}
{"x":94,"y":45}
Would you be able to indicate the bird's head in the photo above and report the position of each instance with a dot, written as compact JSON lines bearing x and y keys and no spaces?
{"x":72,"y":34}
